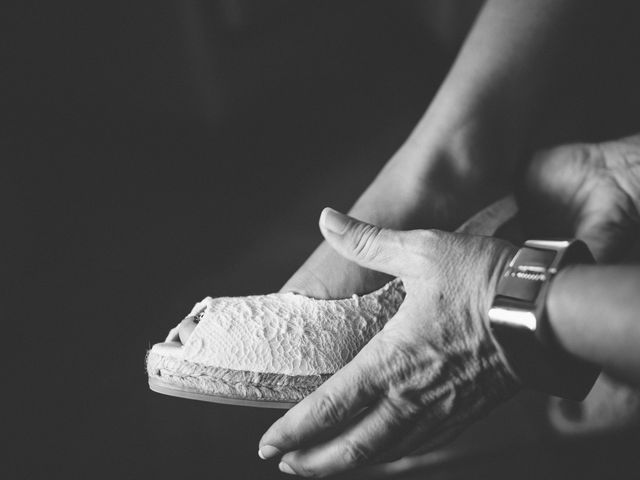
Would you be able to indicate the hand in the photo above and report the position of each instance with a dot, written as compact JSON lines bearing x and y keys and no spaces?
{"x":591,"y":191}
{"x":431,"y":371}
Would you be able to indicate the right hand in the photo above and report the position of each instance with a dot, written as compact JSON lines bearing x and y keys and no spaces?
{"x":431,"y":371}
{"x":590,"y":191}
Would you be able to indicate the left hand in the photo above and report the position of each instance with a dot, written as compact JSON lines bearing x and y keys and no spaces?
{"x":431,"y":371}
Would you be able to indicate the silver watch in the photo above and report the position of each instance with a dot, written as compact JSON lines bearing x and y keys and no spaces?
{"x":520,"y":325}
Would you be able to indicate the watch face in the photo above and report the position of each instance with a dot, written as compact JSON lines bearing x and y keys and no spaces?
{"x":526,"y":274}
{"x":534,"y":258}
{"x":521,"y":327}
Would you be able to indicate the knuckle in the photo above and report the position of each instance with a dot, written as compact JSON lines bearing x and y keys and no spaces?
{"x":328,"y":411}
{"x":428,"y":237}
{"x":364,"y":241}
{"x":355,"y":453}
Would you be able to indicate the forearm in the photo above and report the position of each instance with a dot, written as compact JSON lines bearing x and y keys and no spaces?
{"x":463,"y":153}
{"x":485,"y":109}
{"x":594,"y":313}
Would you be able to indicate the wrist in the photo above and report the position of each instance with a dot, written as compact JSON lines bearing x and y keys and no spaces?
{"x":504,"y":254}
{"x":496,"y":356}
{"x":442,"y":175}
{"x":460,"y":172}
{"x":476,"y":152}
{"x":485,"y":122}
{"x":520,"y":321}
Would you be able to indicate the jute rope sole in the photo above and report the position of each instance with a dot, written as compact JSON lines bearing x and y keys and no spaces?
{"x":179,"y":378}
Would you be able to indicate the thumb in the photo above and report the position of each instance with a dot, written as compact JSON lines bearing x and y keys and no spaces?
{"x":367,"y":245}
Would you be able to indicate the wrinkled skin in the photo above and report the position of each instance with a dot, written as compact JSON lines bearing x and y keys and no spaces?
{"x":431,"y":371}
{"x":591,"y":191}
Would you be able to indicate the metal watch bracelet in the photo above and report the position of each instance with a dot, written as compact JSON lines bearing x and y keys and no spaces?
{"x":520,"y":324}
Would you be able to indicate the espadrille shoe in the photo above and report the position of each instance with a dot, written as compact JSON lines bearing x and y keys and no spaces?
{"x":273,"y":350}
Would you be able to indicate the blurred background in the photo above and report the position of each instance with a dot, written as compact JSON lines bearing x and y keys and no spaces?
{"x":156,"y":153}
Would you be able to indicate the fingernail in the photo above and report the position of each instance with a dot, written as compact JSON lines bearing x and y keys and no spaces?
{"x":334,"y":221}
{"x":285,"y":468}
{"x":267,"y":451}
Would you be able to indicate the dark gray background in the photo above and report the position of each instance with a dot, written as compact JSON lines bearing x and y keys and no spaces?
{"x":158,"y":152}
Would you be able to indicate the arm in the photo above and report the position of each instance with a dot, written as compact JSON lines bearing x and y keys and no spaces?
{"x":595,"y":314}
{"x":482,"y":117}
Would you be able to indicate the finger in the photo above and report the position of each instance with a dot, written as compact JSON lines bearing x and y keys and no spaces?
{"x":361,"y":443}
{"x":420,"y":441}
{"x":380,"y":249}
{"x":347,"y":392}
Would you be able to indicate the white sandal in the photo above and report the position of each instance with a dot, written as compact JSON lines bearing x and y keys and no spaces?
{"x":273,"y":350}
